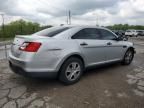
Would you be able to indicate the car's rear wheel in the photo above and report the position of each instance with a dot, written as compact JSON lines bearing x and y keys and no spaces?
{"x":71,"y":71}
{"x":128,"y":57}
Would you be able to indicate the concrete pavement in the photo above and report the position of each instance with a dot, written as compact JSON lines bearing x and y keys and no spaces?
{"x":111,"y":86}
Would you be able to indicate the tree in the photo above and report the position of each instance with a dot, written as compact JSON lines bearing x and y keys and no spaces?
{"x":125,"y":27}
{"x":21,"y":27}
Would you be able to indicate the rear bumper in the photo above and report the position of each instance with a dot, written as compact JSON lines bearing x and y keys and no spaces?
{"x":21,"y":71}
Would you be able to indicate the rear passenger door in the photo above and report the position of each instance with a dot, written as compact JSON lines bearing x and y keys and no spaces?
{"x":91,"y":45}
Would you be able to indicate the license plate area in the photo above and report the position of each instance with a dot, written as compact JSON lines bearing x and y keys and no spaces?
{"x":15,"y":50}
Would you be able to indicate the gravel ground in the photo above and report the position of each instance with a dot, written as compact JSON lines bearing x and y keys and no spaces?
{"x":111,"y":86}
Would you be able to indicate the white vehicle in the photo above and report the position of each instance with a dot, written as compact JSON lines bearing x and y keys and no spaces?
{"x":131,"y":33}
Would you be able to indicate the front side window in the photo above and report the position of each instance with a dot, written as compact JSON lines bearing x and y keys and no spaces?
{"x":107,"y":35}
{"x":87,"y":33}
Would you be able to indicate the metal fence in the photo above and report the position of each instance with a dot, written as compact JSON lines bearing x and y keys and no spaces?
{"x":4,"y":49}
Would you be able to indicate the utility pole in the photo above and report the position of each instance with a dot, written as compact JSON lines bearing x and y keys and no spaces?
{"x":21,"y":28}
{"x":97,"y":22}
{"x":69,"y":17}
{"x":3,"y":29}
{"x":2,"y":15}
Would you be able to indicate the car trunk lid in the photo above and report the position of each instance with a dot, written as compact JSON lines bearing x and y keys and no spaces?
{"x":19,"y":40}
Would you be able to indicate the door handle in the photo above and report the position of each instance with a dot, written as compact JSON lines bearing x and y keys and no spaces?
{"x":109,"y":43}
{"x":83,"y":44}
{"x":124,"y":46}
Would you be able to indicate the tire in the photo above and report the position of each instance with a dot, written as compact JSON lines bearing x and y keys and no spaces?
{"x":128,"y":57}
{"x":71,"y":71}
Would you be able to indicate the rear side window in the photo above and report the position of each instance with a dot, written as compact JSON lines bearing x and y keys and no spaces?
{"x":107,"y":35}
{"x":87,"y":33}
{"x":50,"y":32}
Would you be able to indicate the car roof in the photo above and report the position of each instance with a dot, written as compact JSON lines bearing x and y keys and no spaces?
{"x":83,"y":26}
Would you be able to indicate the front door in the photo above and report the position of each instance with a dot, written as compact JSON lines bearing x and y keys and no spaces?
{"x":92,"y":47}
{"x":114,"y":49}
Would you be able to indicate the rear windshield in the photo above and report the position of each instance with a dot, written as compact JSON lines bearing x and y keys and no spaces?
{"x":50,"y":32}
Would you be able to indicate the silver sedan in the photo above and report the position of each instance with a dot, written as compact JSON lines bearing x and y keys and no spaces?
{"x":65,"y":51}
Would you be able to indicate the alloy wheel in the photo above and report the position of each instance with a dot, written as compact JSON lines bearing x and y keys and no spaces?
{"x":73,"y":71}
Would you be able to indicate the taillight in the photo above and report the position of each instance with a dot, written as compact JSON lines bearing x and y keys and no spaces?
{"x":30,"y":46}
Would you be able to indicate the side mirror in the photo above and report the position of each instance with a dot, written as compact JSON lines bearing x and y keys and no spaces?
{"x":121,"y":38}
{"x":125,"y":39}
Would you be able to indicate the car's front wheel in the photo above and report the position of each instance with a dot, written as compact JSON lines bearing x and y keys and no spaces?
{"x":71,"y":71}
{"x":129,"y":55}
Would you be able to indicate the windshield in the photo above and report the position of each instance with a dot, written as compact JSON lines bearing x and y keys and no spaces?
{"x":50,"y":32}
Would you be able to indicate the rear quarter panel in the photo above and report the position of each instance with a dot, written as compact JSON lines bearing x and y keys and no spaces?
{"x":54,"y":52}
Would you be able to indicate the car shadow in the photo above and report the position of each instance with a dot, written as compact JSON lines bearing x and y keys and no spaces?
{"x":101,"y":68}
{"x":42,"y":84}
